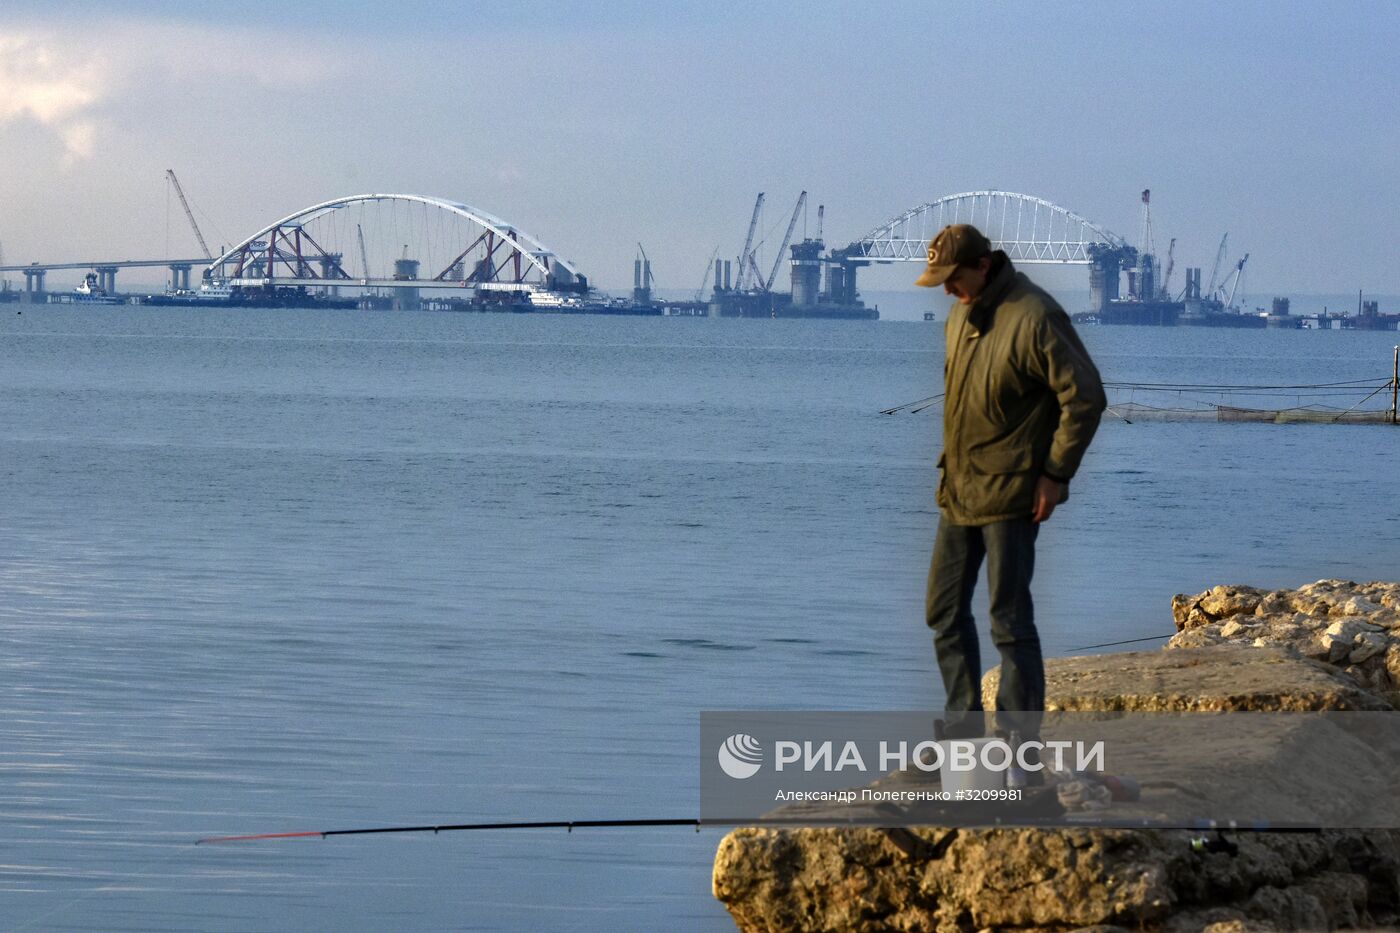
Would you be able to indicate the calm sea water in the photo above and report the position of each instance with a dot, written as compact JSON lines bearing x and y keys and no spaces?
{"x":275,"y":571}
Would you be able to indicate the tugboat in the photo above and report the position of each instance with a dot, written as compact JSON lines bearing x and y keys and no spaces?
{"x":214,"y":293}
{"x":87,"y":293}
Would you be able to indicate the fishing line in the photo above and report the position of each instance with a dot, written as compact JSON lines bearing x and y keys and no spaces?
{"x":1130,"y":641}
{"x":1348,"y":387}
{"x":118,"y":885}
{"x":1202,"y":385}
{"x":1362,"y":402}
{"x":931,"y":398}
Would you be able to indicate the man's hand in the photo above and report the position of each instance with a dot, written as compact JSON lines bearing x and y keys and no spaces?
{"x":1048,"y":494}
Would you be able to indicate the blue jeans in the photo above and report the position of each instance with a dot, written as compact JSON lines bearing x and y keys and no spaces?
{"x":958,"y":552}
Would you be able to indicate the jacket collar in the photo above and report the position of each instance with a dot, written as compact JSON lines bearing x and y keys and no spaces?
{"x":1003,"y":277}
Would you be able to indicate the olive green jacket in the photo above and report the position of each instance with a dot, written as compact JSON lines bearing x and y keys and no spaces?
{"x":1022,"y":400}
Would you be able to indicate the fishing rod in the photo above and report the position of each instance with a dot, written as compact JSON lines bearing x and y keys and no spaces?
{"x":569,"y":825}
{"x":925,"y":403}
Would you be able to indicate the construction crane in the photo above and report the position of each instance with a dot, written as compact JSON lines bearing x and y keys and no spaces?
{"x":1236,"y":276}
{"x":700,"y":294}
{"x":746,"y":257}
{"x":787,"y":238}
{"x":4,"y":281}
{"x":753,"y":265}
{"x":1171,"y":264}
{"x":1145,"y":237}
{"x":364,"y":256}
{"x":180,"y":192}
{"x":647,"y":278}
{"x":1215,"y":269}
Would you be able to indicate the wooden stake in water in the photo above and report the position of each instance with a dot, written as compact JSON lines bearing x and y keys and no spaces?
{"x":1395,"y":386}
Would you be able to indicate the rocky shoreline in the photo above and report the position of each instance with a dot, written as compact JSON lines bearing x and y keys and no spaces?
{"x":1354,"y":627}
{"x":1330,"y":645}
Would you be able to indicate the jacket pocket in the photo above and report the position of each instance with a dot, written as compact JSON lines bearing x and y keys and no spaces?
{"x":999,"y":460}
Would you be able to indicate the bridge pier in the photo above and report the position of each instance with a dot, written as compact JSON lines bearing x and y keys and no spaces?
{"x":34,"y":286}
{"x":330,"y":267}
{"x":806,"y":272}
{"x":106,"y":278}
{"x":841,"y":277}
{"x":835,"y":281}
{"x":406,"y":299}
{"x":179,"y":277}
{"x":1105,"y":265}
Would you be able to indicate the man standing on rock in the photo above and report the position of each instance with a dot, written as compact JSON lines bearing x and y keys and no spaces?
{"x":1022,"y":402}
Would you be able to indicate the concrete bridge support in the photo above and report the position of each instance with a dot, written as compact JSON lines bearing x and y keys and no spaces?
{"x":841,"y":276}
{"x":806,"y":272}
{"x":1105,"y":264}
{"x":406,"y":299}
{"x":107,"y":278}
{"x":330,"y":269}
{"x":179,"y":277}
{"x":34,"y":286}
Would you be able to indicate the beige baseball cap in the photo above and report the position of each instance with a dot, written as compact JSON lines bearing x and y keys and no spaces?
{"x":955,"y":245}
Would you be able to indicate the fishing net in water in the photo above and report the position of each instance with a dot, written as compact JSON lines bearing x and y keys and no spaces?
{"x":1356,"y":402}
{"x":1360,"y":401}
{"x":1307,"y":414}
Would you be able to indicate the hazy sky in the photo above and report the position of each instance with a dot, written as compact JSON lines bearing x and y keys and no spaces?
{"x":594,"y":126}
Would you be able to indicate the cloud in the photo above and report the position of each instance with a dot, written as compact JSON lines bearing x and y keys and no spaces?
{"x":40,"y":84}
{"x":70,"y":90}
{"x":161,"y":51}
{"x":79,"y":139}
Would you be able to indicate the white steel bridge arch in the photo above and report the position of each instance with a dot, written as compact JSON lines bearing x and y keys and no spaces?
{"x":1029,"y":229}
{"x":529,"y":249}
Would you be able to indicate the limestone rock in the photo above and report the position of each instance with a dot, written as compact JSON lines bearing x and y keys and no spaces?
{"x":1223,"y":677}
{"x":1185,"y":612}
{"x":1336,"y":646}
{"x":1387,"y":594}
{"x":1329,"y":645}
{"x":1053,"y":879}
{"x":1392,"y":662}
{"x":1368,"y":645}
{"x":1323,"y":621}
{"x":1221,"y":602}
{"x":1274,"y":603}
{"x":1234,"y":628}
{"x":1348,"y":629}
{"x":1319,"y":598}
{"x":1200,"y":637}
{"x":1359,"y":605}
{"x":1226,"y":601}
